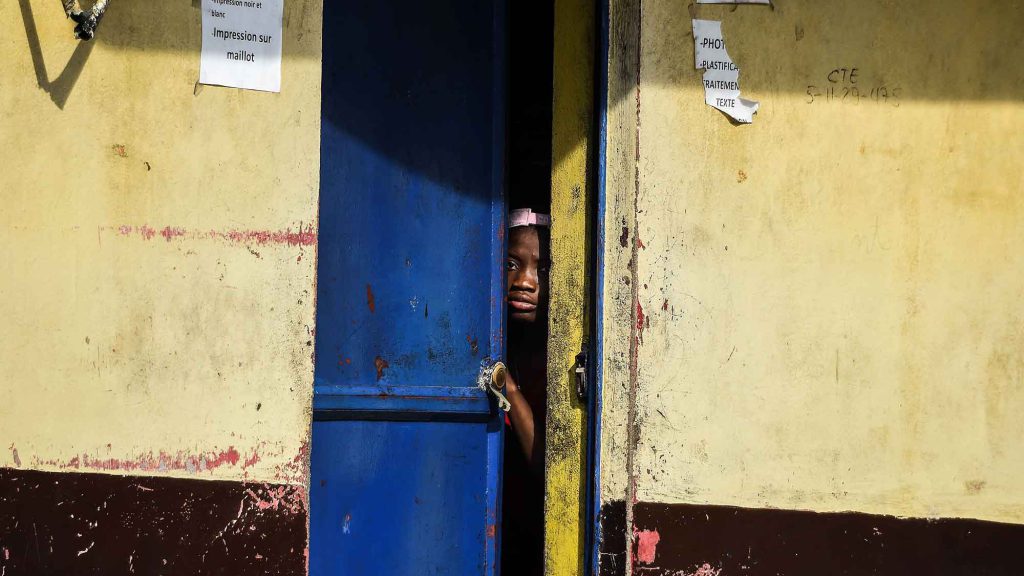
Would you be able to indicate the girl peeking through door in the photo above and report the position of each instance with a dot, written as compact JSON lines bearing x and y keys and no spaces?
{"x":527,"y":266}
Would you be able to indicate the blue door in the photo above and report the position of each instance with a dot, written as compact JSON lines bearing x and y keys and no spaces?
{"x":406,"y":449}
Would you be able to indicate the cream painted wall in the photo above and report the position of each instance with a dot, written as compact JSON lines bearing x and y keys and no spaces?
{"x":618,"y":302}
{"x":157,"y":249}
{"x":831,"y":296}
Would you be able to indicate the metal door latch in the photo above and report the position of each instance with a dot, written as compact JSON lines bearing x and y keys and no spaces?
{"x":580,"y":370}
{"x":492,"y":379}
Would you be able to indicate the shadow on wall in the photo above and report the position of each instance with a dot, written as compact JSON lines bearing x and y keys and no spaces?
{"x":147,"y":27}
{"x":941,"y":50}
{"x":425,"y":92}
{"x":60,"y":87}
{"x":945,"y":50}
{"x":163,"y":26}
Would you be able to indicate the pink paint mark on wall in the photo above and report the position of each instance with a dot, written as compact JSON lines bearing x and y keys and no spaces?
{"x":303,"y":453}
{"x":305,"y":235}
{"x":640,"y":322}
{"x":647,"y":544}
{"x":170,"y":233}
{"x":289,"y":499}
{"x":295,"y":472}
{"x":160,"y":462}
{"x":251,"y":460}
{"x":704,"y":570}
{"x":230,"y":456}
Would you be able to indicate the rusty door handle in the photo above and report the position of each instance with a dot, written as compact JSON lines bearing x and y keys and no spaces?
{"x":492,"y":379}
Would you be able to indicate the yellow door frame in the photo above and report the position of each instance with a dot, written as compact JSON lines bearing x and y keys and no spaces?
{"x":565,"y":510}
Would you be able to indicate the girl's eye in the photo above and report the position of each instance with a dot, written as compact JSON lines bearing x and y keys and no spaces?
{"x":511,"y":265}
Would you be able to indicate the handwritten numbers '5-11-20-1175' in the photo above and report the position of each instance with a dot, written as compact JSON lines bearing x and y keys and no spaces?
{"x":843,"y":86}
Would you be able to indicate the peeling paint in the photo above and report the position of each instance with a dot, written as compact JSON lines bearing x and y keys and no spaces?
{"x":704,"y":570}
{"x":706,"y":540}
{"x":253,"y":458}
{"x":290,"y":499}
{"x":159,"y":462}
{"x":305,"y":235}
{"x":381,"y":365}
{"x":169,"y":233}
{"x":55,"y":524}
{"x":641,"y":322}
{"x":370,"y":302}
{"x":647,"y":546}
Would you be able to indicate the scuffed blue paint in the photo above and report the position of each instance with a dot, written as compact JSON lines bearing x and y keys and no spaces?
{"x":406,"y":454}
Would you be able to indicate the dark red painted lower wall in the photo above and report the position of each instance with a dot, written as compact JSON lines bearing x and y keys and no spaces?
{"x":613,"y":547}
{"x":709,"y":540}
{"x":692,"y":540}
{"x":70,"y":523}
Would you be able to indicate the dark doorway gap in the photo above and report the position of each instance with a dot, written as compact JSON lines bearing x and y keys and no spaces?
{"x":529,"y":140}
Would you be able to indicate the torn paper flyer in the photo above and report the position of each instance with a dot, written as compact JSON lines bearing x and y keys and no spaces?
{"x":721,"y":75}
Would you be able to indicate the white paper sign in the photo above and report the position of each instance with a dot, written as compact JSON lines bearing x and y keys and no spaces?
{"x":721,"y":75}
{"x":765,"y":2}
{"x":242,"y":44}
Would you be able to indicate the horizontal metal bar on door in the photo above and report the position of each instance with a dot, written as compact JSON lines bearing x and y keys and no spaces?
{"x":382,"y":400}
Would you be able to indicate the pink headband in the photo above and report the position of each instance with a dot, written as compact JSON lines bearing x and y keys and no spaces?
{"x":527,"y":217}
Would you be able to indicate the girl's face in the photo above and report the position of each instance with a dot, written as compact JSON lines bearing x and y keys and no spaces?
{"x":527,"y":267}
